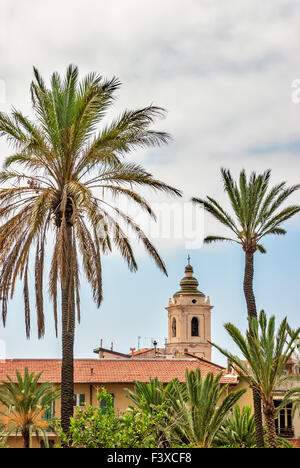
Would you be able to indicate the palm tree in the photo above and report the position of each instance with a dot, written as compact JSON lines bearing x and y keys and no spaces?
{"x":200,"y":408}
{"x":152,"y":398}
{"x":238,"y":429}
{"x":72,"y":174}
{"x":257,"y":212}
{"x":266,"y":353}
{"x":26,"y":402}
{"x":148,"y":396}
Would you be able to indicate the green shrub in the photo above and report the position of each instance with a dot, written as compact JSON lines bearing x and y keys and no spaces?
{"x":93,"y":428}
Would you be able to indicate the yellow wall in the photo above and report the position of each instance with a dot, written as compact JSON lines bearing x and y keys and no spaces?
{"x":246,"y":399}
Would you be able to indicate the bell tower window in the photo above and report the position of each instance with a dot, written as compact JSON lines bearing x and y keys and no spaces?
{"x":174,"y":327}
{"x":194,"y":327}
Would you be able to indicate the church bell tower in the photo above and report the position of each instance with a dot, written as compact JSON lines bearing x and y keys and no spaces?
{"x":189,"y":319}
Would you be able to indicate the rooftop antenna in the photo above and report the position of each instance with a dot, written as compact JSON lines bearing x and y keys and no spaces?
{"x":149,"y":338}
{"x":139,"y":341}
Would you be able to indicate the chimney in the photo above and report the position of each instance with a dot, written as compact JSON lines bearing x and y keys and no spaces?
{"x":229,"y":366}
{"x":101,"y":355}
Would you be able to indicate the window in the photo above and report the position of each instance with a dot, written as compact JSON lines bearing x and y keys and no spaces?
{"x":195,"y":327}
{"x":103,"y":403}
{"x":79,"y":399}
{"x":174,"y":327}
{"x":283,"y":423}
{"x":50,"y":411}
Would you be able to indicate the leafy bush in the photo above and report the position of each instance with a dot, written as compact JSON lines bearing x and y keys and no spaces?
{"x":93,"y":428}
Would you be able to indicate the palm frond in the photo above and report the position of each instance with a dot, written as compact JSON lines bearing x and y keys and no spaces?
{"x":64,"y":157}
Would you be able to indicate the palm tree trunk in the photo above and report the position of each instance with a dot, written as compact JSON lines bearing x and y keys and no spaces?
{"x":248,"y":285}
{"x":259,"y":431}
{"x":68,"y":334}
{"x":26,"y":437}
{"x":251,"y":310}
{"x":270,"y":423}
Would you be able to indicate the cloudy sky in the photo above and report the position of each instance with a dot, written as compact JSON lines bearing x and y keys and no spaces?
{"x":225,"y":73}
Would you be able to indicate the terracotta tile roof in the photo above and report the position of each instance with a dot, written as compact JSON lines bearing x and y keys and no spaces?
{"x":112,"y":370}
{"x":142,"y":350}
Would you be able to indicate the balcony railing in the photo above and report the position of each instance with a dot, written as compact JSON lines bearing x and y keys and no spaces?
{"x":286,"y":432}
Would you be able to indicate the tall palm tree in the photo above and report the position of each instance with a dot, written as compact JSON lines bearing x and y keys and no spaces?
{"x":257,"y":212}
{"x":62,"y":181}
{"x":200,"y":407}
{"x":266,"y":353}
{"x":26,"y":402}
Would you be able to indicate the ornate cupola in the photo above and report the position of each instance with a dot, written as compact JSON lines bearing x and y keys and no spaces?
{"x":189,"y":319}
{"x":188,"y":284}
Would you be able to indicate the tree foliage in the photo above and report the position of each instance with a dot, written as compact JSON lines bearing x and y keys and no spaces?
{"x":26,"y":402}
{"x":93,"y":428}
{"x":66,"y":173}
{"x":266,"y":352}
{"x":200,"y":407}
{"x":257,"y":209}
{"x":238,"y":429}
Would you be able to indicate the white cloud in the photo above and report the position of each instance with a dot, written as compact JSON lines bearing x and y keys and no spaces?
{"x":222,"y":69}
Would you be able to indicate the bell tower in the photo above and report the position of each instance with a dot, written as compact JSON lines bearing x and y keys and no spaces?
{"x":189,"y":319}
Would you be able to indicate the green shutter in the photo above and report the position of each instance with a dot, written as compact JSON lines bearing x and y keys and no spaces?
{"x":103,"y":404}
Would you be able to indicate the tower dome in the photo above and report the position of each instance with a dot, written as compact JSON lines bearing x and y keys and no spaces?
{"x":189,"y":284}
{"x":189,"y":319}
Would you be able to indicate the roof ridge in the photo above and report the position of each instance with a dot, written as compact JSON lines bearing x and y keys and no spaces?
{"x":209,"y":363}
